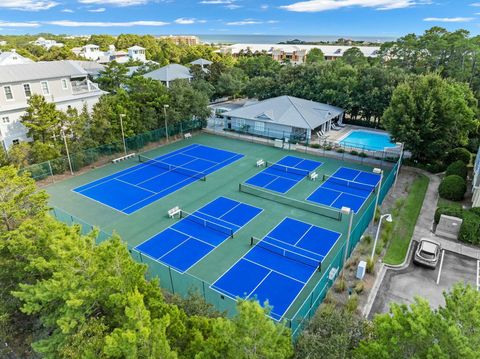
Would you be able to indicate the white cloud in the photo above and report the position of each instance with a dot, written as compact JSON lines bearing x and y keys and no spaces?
{"x":100,"y":9}
{"x":250,"y":22}
{"x":264,"y":7}
{"x":477,"y":4}
{"x":18,"y":24}
{"x":228,"y":4}
{"x":121,"y":3}
{"x":70,"y":11}
{"x":67,"y":23}
{"x":185,"y":21}
{"x":324,"y":5}
{"x":28,"y":5}
{"x":449,"y":19}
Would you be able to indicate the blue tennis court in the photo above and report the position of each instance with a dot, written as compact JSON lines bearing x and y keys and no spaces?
{"x":279,"y":266}
{"x":186,"y":242}
{"x":284,"y":174}
{"x":134,"y":188}
{"x":347,"y":187}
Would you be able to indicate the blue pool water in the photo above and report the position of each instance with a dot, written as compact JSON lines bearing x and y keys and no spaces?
{"x":368,"y":140}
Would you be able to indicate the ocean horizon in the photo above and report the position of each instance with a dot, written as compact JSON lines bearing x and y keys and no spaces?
{"x":275,"y":39}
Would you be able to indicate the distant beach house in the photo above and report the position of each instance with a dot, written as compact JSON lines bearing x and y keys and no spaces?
{"x":296,"y":54}
{"x":284,"y":117}
{"x":169,"y":73}
{"x":93,"y":53}
{"x":46,"y":44}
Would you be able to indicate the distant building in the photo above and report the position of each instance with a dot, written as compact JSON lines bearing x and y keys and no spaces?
{"x":93,"y":53}
{"x":63,"y":82}
{"x":284,"y":117}
{"x":204,"y":64}
{"x":182,"y":39}
{"x":295,"y":54}
{"x":12,"y":58}
{"x":47,"y":44}
{"x":476,"y":181}
{"x":137,"y":53}
{"x":170,"y":73}
{"x":3,"y":43}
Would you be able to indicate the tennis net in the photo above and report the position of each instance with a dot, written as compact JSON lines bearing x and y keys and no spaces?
{"x":284,"y":252}
{"x":207,"y":224}
{"x":272,"y":196}
{"x":347,"y":183}
{"x":182,"y":170}
{"x":287,"y":169}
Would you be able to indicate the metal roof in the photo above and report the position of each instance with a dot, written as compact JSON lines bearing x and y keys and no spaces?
{"x":169,"y":73}
{"x":40,"y":71}
{"x":201,"y":62}
{"x":4,"y":56}
{"x":289,"y":111}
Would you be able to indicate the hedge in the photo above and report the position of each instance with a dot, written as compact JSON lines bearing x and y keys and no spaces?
{"x":458,"y":168}
{"x":470,"y":229}
{"x":458,"y":154}
{"x":453,"y":188}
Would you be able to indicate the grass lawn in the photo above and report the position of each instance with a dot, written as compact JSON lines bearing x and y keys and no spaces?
{"x":446,"y":202}
{"x":405,"y":218}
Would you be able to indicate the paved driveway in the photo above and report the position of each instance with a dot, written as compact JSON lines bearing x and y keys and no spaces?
{"x":402,"y":286}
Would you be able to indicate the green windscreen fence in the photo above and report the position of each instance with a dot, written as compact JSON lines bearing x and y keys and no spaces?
{"x":105,"y":153}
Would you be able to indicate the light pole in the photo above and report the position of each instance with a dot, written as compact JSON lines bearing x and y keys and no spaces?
{"x":165,"y":116}
{"x":122,"y":115}
{"x":388,"y":218}
{"x":62,"y":132}
{"x":379,"y":189}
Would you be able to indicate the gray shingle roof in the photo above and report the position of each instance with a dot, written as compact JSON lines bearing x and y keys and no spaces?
{"x":169,"y":73}
{"x":289,"y":111}
{"x":40,"y":71}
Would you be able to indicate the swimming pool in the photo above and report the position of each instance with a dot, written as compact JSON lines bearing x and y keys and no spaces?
{"x":368,"y":140}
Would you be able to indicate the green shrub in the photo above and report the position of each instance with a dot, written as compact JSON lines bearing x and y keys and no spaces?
{"x":359,"y":287}
{"x":370,"y":265}
{"x":470,"y":229}
{"x":315,"y":145}
{"x":353,"y":152}
{"x":458,"y":154}
{"x":340,"y":150}
{"x":352,"y":303}
{"x":453,"y":188}
{"x":458,"y":168}
{"x":449,"y":211}
{"x":362,"y":154}
{"x":340,"y":285}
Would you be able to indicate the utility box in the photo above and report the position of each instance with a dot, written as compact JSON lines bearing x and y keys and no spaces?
{"x":362,"y":267}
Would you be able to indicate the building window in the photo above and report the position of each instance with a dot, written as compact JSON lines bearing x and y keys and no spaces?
{"x":45,"y":88}
{"x":64,"y":84}
{"x":8,"y":93}
{"x":15,"y":142}
{"x":5,"y":119}
{"x":28,"y":91}
{"x":259,"y":126}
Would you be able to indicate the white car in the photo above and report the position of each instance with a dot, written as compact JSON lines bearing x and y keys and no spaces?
{"x":427,"y":253}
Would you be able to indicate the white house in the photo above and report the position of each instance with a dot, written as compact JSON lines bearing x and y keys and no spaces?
{"x":169,"y":73}
{"x":3,"y":43}
{"x":137,"y":53}
{"x":47,"y":44}
{"x":283,"y":117}
{"x":91,"y":52}
{"x":63,"y":82}
{"x":12,"y":58}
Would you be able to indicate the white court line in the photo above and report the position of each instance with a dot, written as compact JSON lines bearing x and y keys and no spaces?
{"x":303,"y":236}
{"x":291,"y":245}
{"x":166,"y":171}
{"x":134,"y":185}
{"x":258,"y":285}
{"x":273,"y":270}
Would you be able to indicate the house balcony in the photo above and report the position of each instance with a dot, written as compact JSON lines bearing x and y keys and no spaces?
{"x":81,"y":87}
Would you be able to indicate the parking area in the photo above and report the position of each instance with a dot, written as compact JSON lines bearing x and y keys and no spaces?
{"x":402,"y":286}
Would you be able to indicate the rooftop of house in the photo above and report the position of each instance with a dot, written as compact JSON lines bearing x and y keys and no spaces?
{"x":289,"y":111}
{"x":169,"y":73}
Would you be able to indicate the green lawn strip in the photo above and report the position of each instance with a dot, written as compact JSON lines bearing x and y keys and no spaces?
{"x":405,"y":220}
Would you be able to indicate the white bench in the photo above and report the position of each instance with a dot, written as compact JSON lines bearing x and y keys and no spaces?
{"x":123,"y":158}
{"x":187,"y":135}
{"x":260,"y":163}
{"x":313,"y":176}
{"x":174,"y":211}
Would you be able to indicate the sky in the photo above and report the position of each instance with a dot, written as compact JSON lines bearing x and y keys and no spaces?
{"x":259,"y":17}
